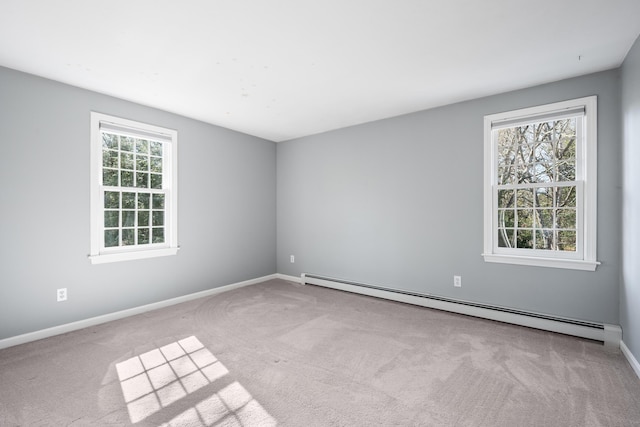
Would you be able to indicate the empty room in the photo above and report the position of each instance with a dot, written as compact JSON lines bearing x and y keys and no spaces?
{"x":336,"y":213}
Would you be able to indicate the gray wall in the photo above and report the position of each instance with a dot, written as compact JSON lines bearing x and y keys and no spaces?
{"x":370,"y":203}
{"x":630,"y":283}
{"x":227,"y":212}
{"x":399,"y":203}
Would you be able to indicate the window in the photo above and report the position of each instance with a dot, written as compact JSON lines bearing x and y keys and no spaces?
{"x":133,"y":190}
{"x":540,"y":185}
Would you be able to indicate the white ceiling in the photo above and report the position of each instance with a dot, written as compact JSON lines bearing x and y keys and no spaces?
{"x":281,"y":69}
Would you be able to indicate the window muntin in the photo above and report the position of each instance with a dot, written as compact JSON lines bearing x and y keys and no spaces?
{"x":134,"y":212}
{"x":540,"y":185}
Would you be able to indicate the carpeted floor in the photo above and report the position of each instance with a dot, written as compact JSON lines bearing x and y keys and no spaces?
{"x":279,"y":353}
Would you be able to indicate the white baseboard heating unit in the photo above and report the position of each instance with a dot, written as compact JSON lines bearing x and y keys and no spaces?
{"x":610,"y":335}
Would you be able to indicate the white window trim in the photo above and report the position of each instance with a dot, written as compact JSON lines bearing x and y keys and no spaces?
{"x":588,"y":162}
{"x":170,"y":247}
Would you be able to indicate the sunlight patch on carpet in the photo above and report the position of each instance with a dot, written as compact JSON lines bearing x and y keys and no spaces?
{"x":231,"y":406}
{"x":163,"y":376}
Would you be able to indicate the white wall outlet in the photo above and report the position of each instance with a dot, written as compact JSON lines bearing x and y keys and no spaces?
{"x":457,"y":281}
{"x":62,"y":294}
{"x":292,"y":259}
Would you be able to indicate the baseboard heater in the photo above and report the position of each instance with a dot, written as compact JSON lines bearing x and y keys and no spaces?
{"x":610,"y":335}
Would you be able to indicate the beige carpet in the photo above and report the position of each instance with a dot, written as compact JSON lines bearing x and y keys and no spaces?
{"x":283,"y":354}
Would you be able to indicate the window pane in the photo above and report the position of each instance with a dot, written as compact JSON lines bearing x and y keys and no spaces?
{"x":109,"y":140}
{"x":543,"y":152}
{"x":506,"y":146}
{"x":128,"y":237}
{"x":544,"y":197}
{"x":142,"y":180}
{"x":507,"y":174}
{"x":143,"y":236}
{"x":126,"y":161}
{"x":506,"y":238}
{"x":126,"y":143}
{"x":111,"y":218}
{"x":158,"y":218}
{"x":540,"y":172}
{"x":142,"y":146}
{"x":158,"y":235}
{"x":111,"y":238}
{"x":543,"y":131}
{"x":525,"y":217}
{"x":142,"y":163}
{"x":506,"y":198}
{"x":143,"y":218}
{"x":129,"y":200}
{"x":566,"y":218}
{"x":567,"y":241}
{"x":506,"y":218}
{"x":566,"y":197}
{"x":523,"y":173}
{"x":527,"y":135}
{"x":156,"y":164}
{"x":533,"y":173}
{"x":566,"y":170}
{"x":544,"y":239}
{"x":111,"y":199}
{"x":158,"y":201}
{"x":128,"y":218}
{"x":110,"y":177}
{"x":544,"y":218}
{"x":109,"y":158}
{"x":143,"y":200}
{"x":566,"y":137}
{"x":566,"y":146}
{"x":156,"y":181}
{"x":524,"y":198}
{"x":155,"y":148}
{"x":524,"y":239}
{"x":126,"y":178}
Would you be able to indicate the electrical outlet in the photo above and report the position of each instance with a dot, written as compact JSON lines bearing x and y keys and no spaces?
{"x":293,"y":259}
{"x":62,"y":294}
{"x":457,"y":281}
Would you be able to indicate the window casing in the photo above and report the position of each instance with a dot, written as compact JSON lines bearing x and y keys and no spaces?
{"x":540,"y":185}
{"x":133,"y":190}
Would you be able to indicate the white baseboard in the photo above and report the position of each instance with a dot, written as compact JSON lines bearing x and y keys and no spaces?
{"x":74,"y":326}
{"x":610,"y":335}
{"x":289,"y":278}
{"x":630,"y":357}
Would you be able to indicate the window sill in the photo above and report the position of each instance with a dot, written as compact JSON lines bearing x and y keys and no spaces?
{"x":572,"y":264}
{"x":132,"y":255}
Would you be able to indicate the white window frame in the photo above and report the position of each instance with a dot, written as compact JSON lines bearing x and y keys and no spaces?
{"x":586,"y":182}
{"x":98,"y":253}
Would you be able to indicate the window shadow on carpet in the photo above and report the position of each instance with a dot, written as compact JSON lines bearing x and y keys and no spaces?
{"x":167,"y":376}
